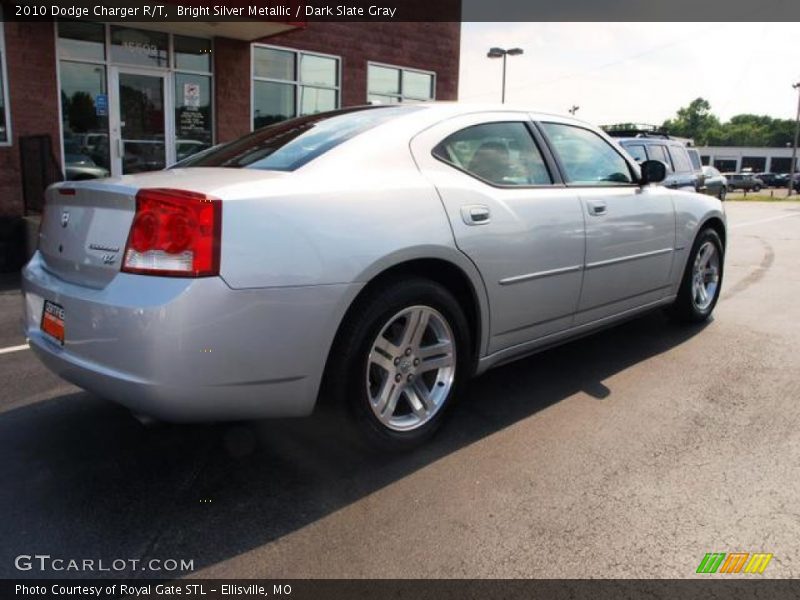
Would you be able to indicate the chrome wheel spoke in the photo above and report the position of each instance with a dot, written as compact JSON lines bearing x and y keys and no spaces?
{"x":438,"y":349}
{"x":416,"y":402}
{"x":387,"y":399}
{"x":416,"y":324}
{"x":434,"y":363}
{"x":385,"y":347}
{"x":423,"y":395}
{"x":384,"y":362}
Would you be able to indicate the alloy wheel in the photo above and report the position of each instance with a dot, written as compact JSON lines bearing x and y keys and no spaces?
{"x":705,"y":276}
{"x":411,"y":368}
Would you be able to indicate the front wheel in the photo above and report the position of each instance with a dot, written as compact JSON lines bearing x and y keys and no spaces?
{"x":722,"y":194}
{"x":702,"y":279}
{"x":399,"y":361}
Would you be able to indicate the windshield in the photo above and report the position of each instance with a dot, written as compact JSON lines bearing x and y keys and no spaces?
{"x":289,"y":145}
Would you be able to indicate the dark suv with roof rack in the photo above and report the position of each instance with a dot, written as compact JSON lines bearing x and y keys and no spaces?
{"x":653,"y":144}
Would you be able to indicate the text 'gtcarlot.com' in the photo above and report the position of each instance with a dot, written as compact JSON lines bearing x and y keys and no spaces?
{"x":46,"y":562}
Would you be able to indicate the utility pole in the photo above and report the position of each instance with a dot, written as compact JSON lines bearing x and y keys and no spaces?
{"x":796,"y":135}
{"x":574,"y":109}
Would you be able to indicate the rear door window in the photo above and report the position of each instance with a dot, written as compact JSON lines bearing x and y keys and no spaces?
{"x":497,"y":153}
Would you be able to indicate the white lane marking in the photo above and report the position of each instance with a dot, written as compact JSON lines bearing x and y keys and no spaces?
{"x":11,"y":349}
{"x":767,"y":220}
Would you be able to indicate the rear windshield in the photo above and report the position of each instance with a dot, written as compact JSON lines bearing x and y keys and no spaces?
{"x":289,"y":145}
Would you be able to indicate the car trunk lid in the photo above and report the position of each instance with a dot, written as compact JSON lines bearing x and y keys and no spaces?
{"x":84,"y":230}
{"x":86,"y":224}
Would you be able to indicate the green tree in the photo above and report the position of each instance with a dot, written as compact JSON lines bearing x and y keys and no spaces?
{"x":694,"y":121}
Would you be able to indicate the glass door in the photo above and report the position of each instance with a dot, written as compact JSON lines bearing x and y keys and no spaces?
{"x":140,"y":127}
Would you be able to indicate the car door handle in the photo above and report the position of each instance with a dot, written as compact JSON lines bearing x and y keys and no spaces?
{"x":597,"y":208}
{"x":476,"y":214}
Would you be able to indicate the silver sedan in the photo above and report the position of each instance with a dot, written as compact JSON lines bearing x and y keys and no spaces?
{"x":380,"y":256}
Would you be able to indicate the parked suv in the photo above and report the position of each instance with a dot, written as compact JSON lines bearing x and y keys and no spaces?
{"x":771,"y":179}
{"x":681,"y":172}
{"x":743,"y":181}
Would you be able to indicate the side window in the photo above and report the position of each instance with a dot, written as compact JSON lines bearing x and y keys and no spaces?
{"x":636,"y":151}
{"x":499,"y":153}
{"x":659,"y":152}
{"x":680,"y":159}
{"x":586,"y":157}
{"x":697,"y":163}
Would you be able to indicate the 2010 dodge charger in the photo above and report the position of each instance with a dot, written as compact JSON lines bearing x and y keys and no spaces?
{"x":380,"y":255}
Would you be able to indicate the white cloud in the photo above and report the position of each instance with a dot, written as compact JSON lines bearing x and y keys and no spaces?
{"x":635,"y":72}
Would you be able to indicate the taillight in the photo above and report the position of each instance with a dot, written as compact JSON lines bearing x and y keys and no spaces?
{"x":174,"y":233}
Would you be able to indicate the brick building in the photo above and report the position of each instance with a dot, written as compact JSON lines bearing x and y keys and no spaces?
{"x":112,"y":100}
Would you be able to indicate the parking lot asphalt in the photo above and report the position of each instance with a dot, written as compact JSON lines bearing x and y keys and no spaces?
{"x":630,"y":453}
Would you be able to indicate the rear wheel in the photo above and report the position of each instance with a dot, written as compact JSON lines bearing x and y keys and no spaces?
{"x":702,"y":279}
{"x":399,"y":362}
{"x":756,"y":188}
{"x":722,"y":193}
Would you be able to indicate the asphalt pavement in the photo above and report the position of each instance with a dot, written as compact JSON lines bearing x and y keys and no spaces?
{"x":630,"y":453}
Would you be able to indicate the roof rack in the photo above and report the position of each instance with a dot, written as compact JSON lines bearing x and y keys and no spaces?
{"x":641,"y":130}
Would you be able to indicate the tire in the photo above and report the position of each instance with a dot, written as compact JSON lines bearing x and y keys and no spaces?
{"x":731,"y":189}
{"x":756,"y":188}
{"x":385,"y":378}
{"x":722,"y":193}
{"x":693,"y":305}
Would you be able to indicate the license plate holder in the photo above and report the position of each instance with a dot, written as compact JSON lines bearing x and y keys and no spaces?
{"x":53,"y":321}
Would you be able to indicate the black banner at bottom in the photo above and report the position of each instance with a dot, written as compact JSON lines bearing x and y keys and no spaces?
{"x":402,"y":589}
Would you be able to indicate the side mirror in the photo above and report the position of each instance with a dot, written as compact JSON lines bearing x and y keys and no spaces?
{"x":653,"y":171}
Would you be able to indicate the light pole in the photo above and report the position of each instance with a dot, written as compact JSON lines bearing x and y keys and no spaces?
{"x":503,"y":53}
{"x":796,"y":135}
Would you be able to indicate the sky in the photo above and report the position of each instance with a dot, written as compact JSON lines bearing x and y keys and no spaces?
{"x":635,"y":72}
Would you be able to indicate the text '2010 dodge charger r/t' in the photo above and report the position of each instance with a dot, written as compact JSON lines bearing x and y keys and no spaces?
{"x":379,"y":256}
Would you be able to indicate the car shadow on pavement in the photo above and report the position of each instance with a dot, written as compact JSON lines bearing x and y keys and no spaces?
{"x":82,"y":479}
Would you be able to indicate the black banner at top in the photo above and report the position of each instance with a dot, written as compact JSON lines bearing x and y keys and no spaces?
{"x":302,"y":11}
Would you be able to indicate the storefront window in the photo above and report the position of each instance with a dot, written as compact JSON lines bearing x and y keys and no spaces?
{"x":315,"y":100}
{"x":273,"y":64}
{"x":138,"y":47}
{"x":389,"y":85}
{"x":287,"y":83}
{"x":82,"y":41}
{"x":192,"y":54}
{"x":84,"y":114}
{"x":5,"y":135}
{"x":272,"y":102}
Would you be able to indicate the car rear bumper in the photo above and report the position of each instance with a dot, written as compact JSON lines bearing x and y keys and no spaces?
{"x":189,"y":349}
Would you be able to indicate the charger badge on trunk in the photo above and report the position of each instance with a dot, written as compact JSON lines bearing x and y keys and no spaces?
{"x":64,"y":218}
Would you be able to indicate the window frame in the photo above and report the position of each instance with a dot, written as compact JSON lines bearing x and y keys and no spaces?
{"x":632,"y":169}
{"x":402,"y":97}
{"x":9,"y":141}
{"x":557,"y":180}
{"x":297,"y":83}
